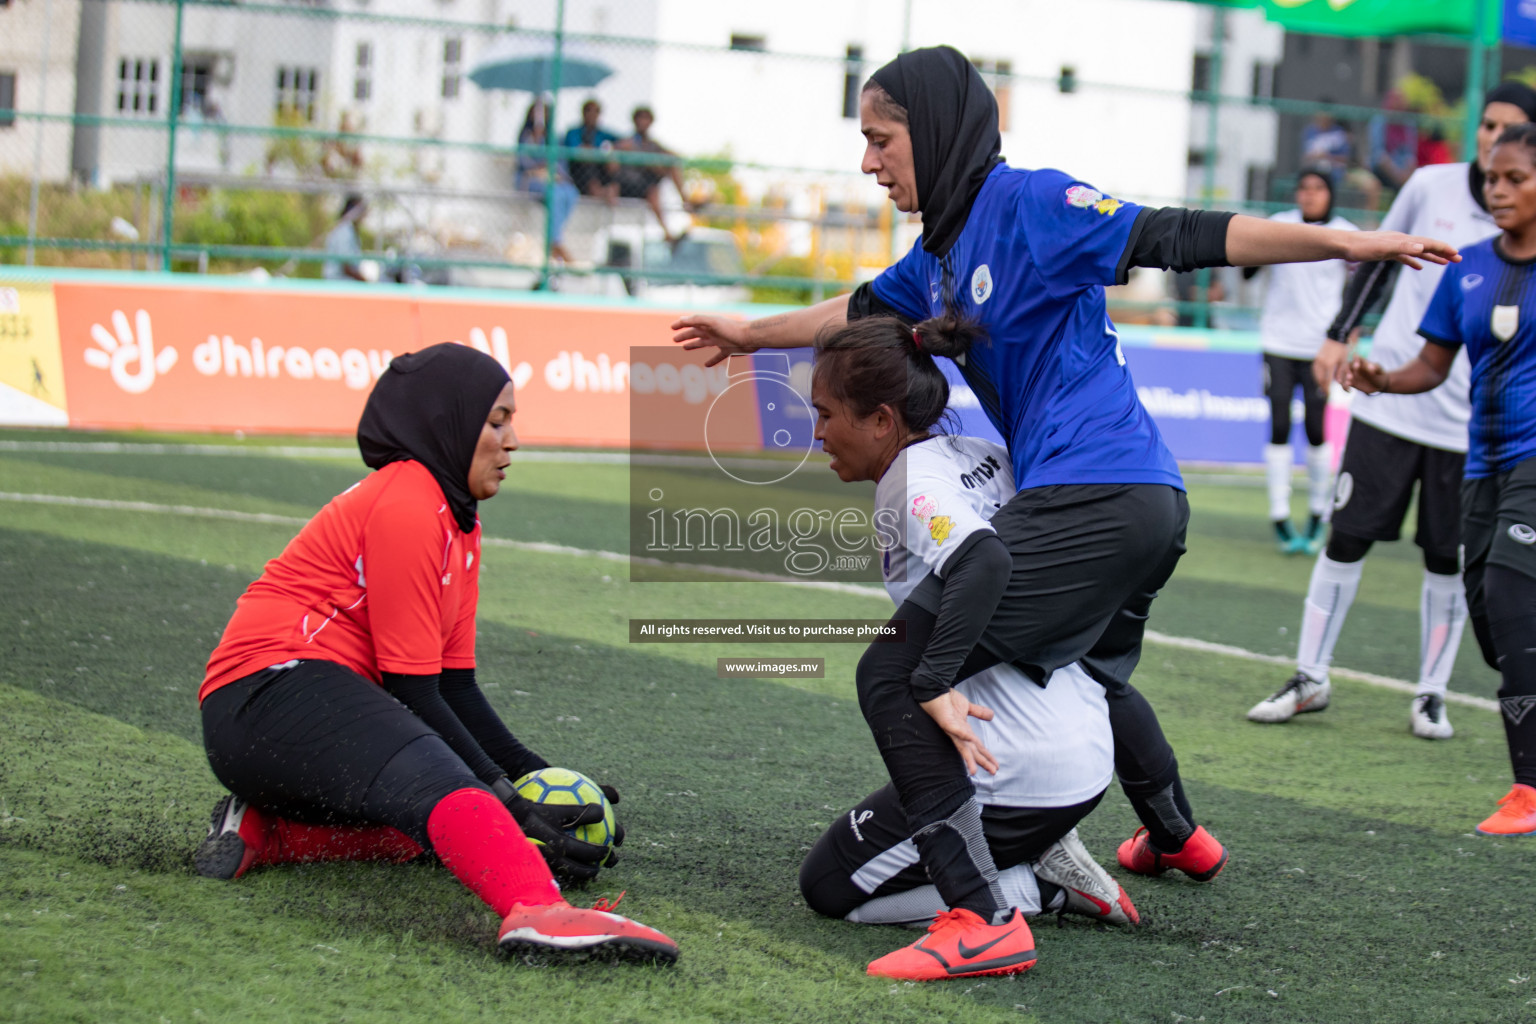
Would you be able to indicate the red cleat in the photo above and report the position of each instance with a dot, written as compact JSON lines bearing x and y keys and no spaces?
{"x":1516,"y":815}
{"x":959,"y":944}
{"x":1202,"y":857}
{"x":562,"y":928}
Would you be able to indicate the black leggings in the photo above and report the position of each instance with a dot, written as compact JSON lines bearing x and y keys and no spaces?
{"x":319,"y":743}
{"x":1282,"y":376}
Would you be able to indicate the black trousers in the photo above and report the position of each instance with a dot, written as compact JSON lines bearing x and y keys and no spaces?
{"x":1282,"y":376}
{"x":1088,"y":560}
{"x":319,"y":743}
{"x":866,"y":853}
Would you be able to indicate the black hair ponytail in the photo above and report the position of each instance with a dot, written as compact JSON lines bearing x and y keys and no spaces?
{"x":875,"y":361}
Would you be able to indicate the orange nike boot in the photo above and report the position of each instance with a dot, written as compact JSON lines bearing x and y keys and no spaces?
{"x":1516,"y":815}
{"x":959,"y":944}
{"x":1202,"y":857}
{"x":562,"y":928}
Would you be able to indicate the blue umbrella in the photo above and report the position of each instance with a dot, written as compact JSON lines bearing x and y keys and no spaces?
{"x":528,"y":65}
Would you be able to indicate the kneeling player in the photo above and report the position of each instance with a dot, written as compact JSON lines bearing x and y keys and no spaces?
{"x":341,"y":708}
{"x":876,"y":396}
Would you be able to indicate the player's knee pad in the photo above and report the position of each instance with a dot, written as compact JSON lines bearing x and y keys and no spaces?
{"x":1343,"y":547}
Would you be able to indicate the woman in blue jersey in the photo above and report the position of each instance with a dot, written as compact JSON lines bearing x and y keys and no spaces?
{"x":1488,"y":304}
{"x":1098,"y":523}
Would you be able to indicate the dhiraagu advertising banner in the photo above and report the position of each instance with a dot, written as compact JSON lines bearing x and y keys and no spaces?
{"x":31,"y":366}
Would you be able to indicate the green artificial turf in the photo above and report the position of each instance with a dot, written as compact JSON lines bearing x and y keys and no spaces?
{"x":1355,"y":892}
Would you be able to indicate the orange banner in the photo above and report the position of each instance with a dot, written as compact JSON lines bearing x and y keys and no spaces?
{"x":262,"y":359}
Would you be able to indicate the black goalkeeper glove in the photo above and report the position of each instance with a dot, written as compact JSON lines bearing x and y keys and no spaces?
{"x":618,"y":827}
{"x":572,"y":861}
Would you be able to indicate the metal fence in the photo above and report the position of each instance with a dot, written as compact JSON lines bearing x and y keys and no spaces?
{"x":226,"y":137}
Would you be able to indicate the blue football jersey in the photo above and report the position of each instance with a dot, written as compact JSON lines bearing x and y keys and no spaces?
{"x":1031,"y":266}
{"x":1487,"y":303}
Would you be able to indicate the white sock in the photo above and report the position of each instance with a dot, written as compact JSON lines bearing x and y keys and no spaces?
{"x":1329,"y":596}
{"x":1277,"y":466}
{"x":918,"y":907}
{"x":1320,"y":480}
{"x":1442,"y":617}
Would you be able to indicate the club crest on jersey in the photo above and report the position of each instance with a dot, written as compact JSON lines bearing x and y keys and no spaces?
{"x":1506,"y":321}
{"x":1471,"y":281}
{"x":981,"y":284}
{"x":1522,"y":534}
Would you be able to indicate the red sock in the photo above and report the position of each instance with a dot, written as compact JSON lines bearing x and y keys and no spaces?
{"x":280,"y":841}
{"x":477,"y":839}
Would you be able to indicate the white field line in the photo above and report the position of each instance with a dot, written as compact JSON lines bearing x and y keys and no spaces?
{"x":613,"y":458}
{"x":1180,"y":642}
{"x":277,"y":451}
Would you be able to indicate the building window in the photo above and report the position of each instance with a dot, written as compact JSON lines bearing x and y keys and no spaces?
{"x":853,"y":74}
{"x":196,"y":76}
{"x":752,"y":44}
{"x":999,"y":74}
{"x":7,"y":98}
{"x":362,"y":74}
{"x":1263,"y":87}
{"x":297,"y":90}
{"x":1200,"y":73}
{"x":453,"y":67}
{"x":138,"y":86}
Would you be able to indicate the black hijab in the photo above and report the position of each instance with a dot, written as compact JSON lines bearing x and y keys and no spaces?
{"x":1509,"y":91}
{"x":430,"y":406}
{"x":1321,"y":175}
{"x":952,"y":117}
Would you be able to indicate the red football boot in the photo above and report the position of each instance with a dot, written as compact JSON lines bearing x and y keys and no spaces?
{"x":1201,"y":859}
{"x":1516,"y":815}
{"x":562,"y":928}
{"x":959,"y":944}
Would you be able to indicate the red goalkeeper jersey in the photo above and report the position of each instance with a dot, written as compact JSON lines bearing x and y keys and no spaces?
{"x":380,"y":580}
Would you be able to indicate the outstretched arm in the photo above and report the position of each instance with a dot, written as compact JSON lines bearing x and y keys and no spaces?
{"x":1424,"y":372}
{"x":730,"y":336}
{"x":1252,"y":242}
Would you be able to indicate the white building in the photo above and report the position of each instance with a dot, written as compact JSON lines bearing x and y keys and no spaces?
{"x":37,"y":74}
{"x":772,"y":86}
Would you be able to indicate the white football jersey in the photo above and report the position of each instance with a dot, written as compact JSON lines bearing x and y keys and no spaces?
{"x":1301,"y":299}
{"x":1053,"y":743}
{"x":1437,"y":202}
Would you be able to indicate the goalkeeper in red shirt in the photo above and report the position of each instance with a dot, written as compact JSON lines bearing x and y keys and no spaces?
{"x":340,"y":707}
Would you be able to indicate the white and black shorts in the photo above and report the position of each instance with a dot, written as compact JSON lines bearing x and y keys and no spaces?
{"x":1376,"y":486}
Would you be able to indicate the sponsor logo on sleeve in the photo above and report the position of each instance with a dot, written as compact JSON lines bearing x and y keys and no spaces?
{"x":1082,"y":197}
{"x":925,"y":510}
{"x":939,"y":527}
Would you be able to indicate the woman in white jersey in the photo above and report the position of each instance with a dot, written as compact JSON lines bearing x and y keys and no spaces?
{"x":1399,"y":441}
{"x":1300,"y":302}
{"x":877,"y":398}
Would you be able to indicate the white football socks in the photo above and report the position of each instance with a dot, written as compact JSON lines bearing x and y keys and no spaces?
{"x":918,"y":907}
{"x":1320,"y":479}
{"x":1442,"y":617}
{"x":1277,"y":469}
{"x":1329,"y":595}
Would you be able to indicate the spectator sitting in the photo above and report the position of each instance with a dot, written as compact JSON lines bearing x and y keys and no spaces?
{"x":1325,"y":143}
{"x":1393,"y":144}
{"x":643,"y":181}
{"x":342,"y":158}
{"x":343,"y":245}
{"x":598,"y":178}
{"x":533,"y":176}
{"x":1433,"y":149}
